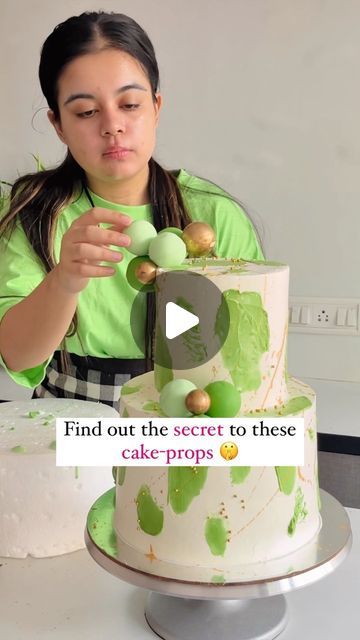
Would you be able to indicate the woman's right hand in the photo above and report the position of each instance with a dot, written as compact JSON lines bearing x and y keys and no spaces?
{"x":85,"y":245}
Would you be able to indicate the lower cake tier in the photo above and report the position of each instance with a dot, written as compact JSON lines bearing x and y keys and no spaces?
{"x":218,"y":517}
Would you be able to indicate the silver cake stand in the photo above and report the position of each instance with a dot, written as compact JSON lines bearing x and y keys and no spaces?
{"x":243,"y":603}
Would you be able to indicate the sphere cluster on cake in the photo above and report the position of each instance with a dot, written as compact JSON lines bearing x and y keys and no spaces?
{"x":228,"y":516}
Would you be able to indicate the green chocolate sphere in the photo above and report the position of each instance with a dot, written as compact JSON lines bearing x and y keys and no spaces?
{"x":141,"y":233}
{"x":172,"y":398}
{"x":176,"y":230}
{"x":225,"y":399}
{"x":167,"y":250}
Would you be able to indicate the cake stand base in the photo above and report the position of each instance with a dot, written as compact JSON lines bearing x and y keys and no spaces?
{"x":244,"y":603}
{"x":174,"y":618}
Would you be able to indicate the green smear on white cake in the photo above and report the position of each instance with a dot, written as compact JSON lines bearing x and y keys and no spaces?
{"x":33,"y":414}
{"x":286,"y":478}
{"x":162,"y":374}
{"x":19,"y":448}
{"x":218,"y":579}
{"x":126,"y":390}
{"x":300,"y":512}
{"x":150,"y":515}
{"x":119,"y":475}
{"x":216,"y":535}
{"x":100,"y":528}
{"x":191,"y":339}
{"x":239,"y":474}
{"x":247,"y":339}
{"x":154,"y":408}
{"x":185,"y":484}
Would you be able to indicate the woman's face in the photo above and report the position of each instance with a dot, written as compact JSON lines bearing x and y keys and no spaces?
{"x":105,"y":101}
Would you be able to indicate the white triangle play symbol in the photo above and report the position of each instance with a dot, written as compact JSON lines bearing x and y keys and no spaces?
{"x":178,"y":320}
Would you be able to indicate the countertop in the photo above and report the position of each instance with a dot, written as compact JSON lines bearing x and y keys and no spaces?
{"x":70,"y":597}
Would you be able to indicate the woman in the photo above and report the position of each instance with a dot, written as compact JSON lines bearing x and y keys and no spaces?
{"x":65,"y":316}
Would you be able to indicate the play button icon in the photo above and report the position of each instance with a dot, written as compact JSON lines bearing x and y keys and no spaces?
{"x":192,"y":317}
{"x":178,"y":320}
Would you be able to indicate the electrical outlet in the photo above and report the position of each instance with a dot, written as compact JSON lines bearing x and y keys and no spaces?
{"x":324,"y":315}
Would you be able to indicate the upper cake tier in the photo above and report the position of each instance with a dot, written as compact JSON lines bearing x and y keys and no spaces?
{"x":253,"y":356}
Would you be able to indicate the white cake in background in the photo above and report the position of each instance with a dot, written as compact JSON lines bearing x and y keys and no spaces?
{"x":43,"y":508}
{"x":223,"y":517}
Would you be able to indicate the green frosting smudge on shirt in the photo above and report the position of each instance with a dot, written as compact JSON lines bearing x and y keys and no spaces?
{"x":162,"y":374}
{"x":216,"y":536}
{"x":184,"y":484}
{"x":238,"y":474}
{"x":286,"y":478}
{"x":126,"y":390}
{"x":150,"y":515}
{"x":19,"y":448}
{"x":300,"y":511}
{"x":247,"y":339}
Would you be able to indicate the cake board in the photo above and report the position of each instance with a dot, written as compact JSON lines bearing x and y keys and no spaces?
{"x":245,"y":602}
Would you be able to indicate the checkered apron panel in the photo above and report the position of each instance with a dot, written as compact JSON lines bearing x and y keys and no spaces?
{"x":82,"y":382}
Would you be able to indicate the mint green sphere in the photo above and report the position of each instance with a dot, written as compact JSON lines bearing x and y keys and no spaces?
{"x":176,"y":230}
{"x":172,"y":398}
{"x":167,"y":250}
{"x":141,"y":233}
{"x":225,"y":399}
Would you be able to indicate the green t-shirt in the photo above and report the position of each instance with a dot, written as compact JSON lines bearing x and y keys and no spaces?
{"x":104,"y":306}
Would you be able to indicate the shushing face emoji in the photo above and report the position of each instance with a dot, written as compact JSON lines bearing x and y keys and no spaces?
{"x":229,"y":450}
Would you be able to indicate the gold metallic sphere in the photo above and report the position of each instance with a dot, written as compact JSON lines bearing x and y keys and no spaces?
{"x":145,"y":272}
{"x":199,"y":238}
{"x":197,"y":401}
{"x":229,"y":450}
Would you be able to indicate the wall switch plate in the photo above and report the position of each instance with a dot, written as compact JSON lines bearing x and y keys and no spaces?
{"x":339,"y":316}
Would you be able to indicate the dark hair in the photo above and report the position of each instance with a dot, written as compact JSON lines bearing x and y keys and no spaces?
{"x":37,"y":199}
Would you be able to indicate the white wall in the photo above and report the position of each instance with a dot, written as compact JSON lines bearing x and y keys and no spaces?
{"x":262,"y":97}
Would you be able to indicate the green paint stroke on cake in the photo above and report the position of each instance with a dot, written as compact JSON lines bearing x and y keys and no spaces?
{"x":191,"y":339}
{"x":218,"y":579}
{"x":247,"y":339}
{"x":126,"y":390}
{"x":300,"y":512}
{"x":216,"y":535}
{"x":100,"y":523}
{"x":286,"y":478}
{"x":293,"y":406}
{"x":239,"y":474}
{"x":19,"y":448}
{"x":154,"y":408}
{"x":150,"y":515}
{"x":317,"y":487}
{"x":162,"y":372}
{"x":33,"y":414}
{"x":311,"y":433}
{"x":119,"y":475}
{"x":185,"y":484}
